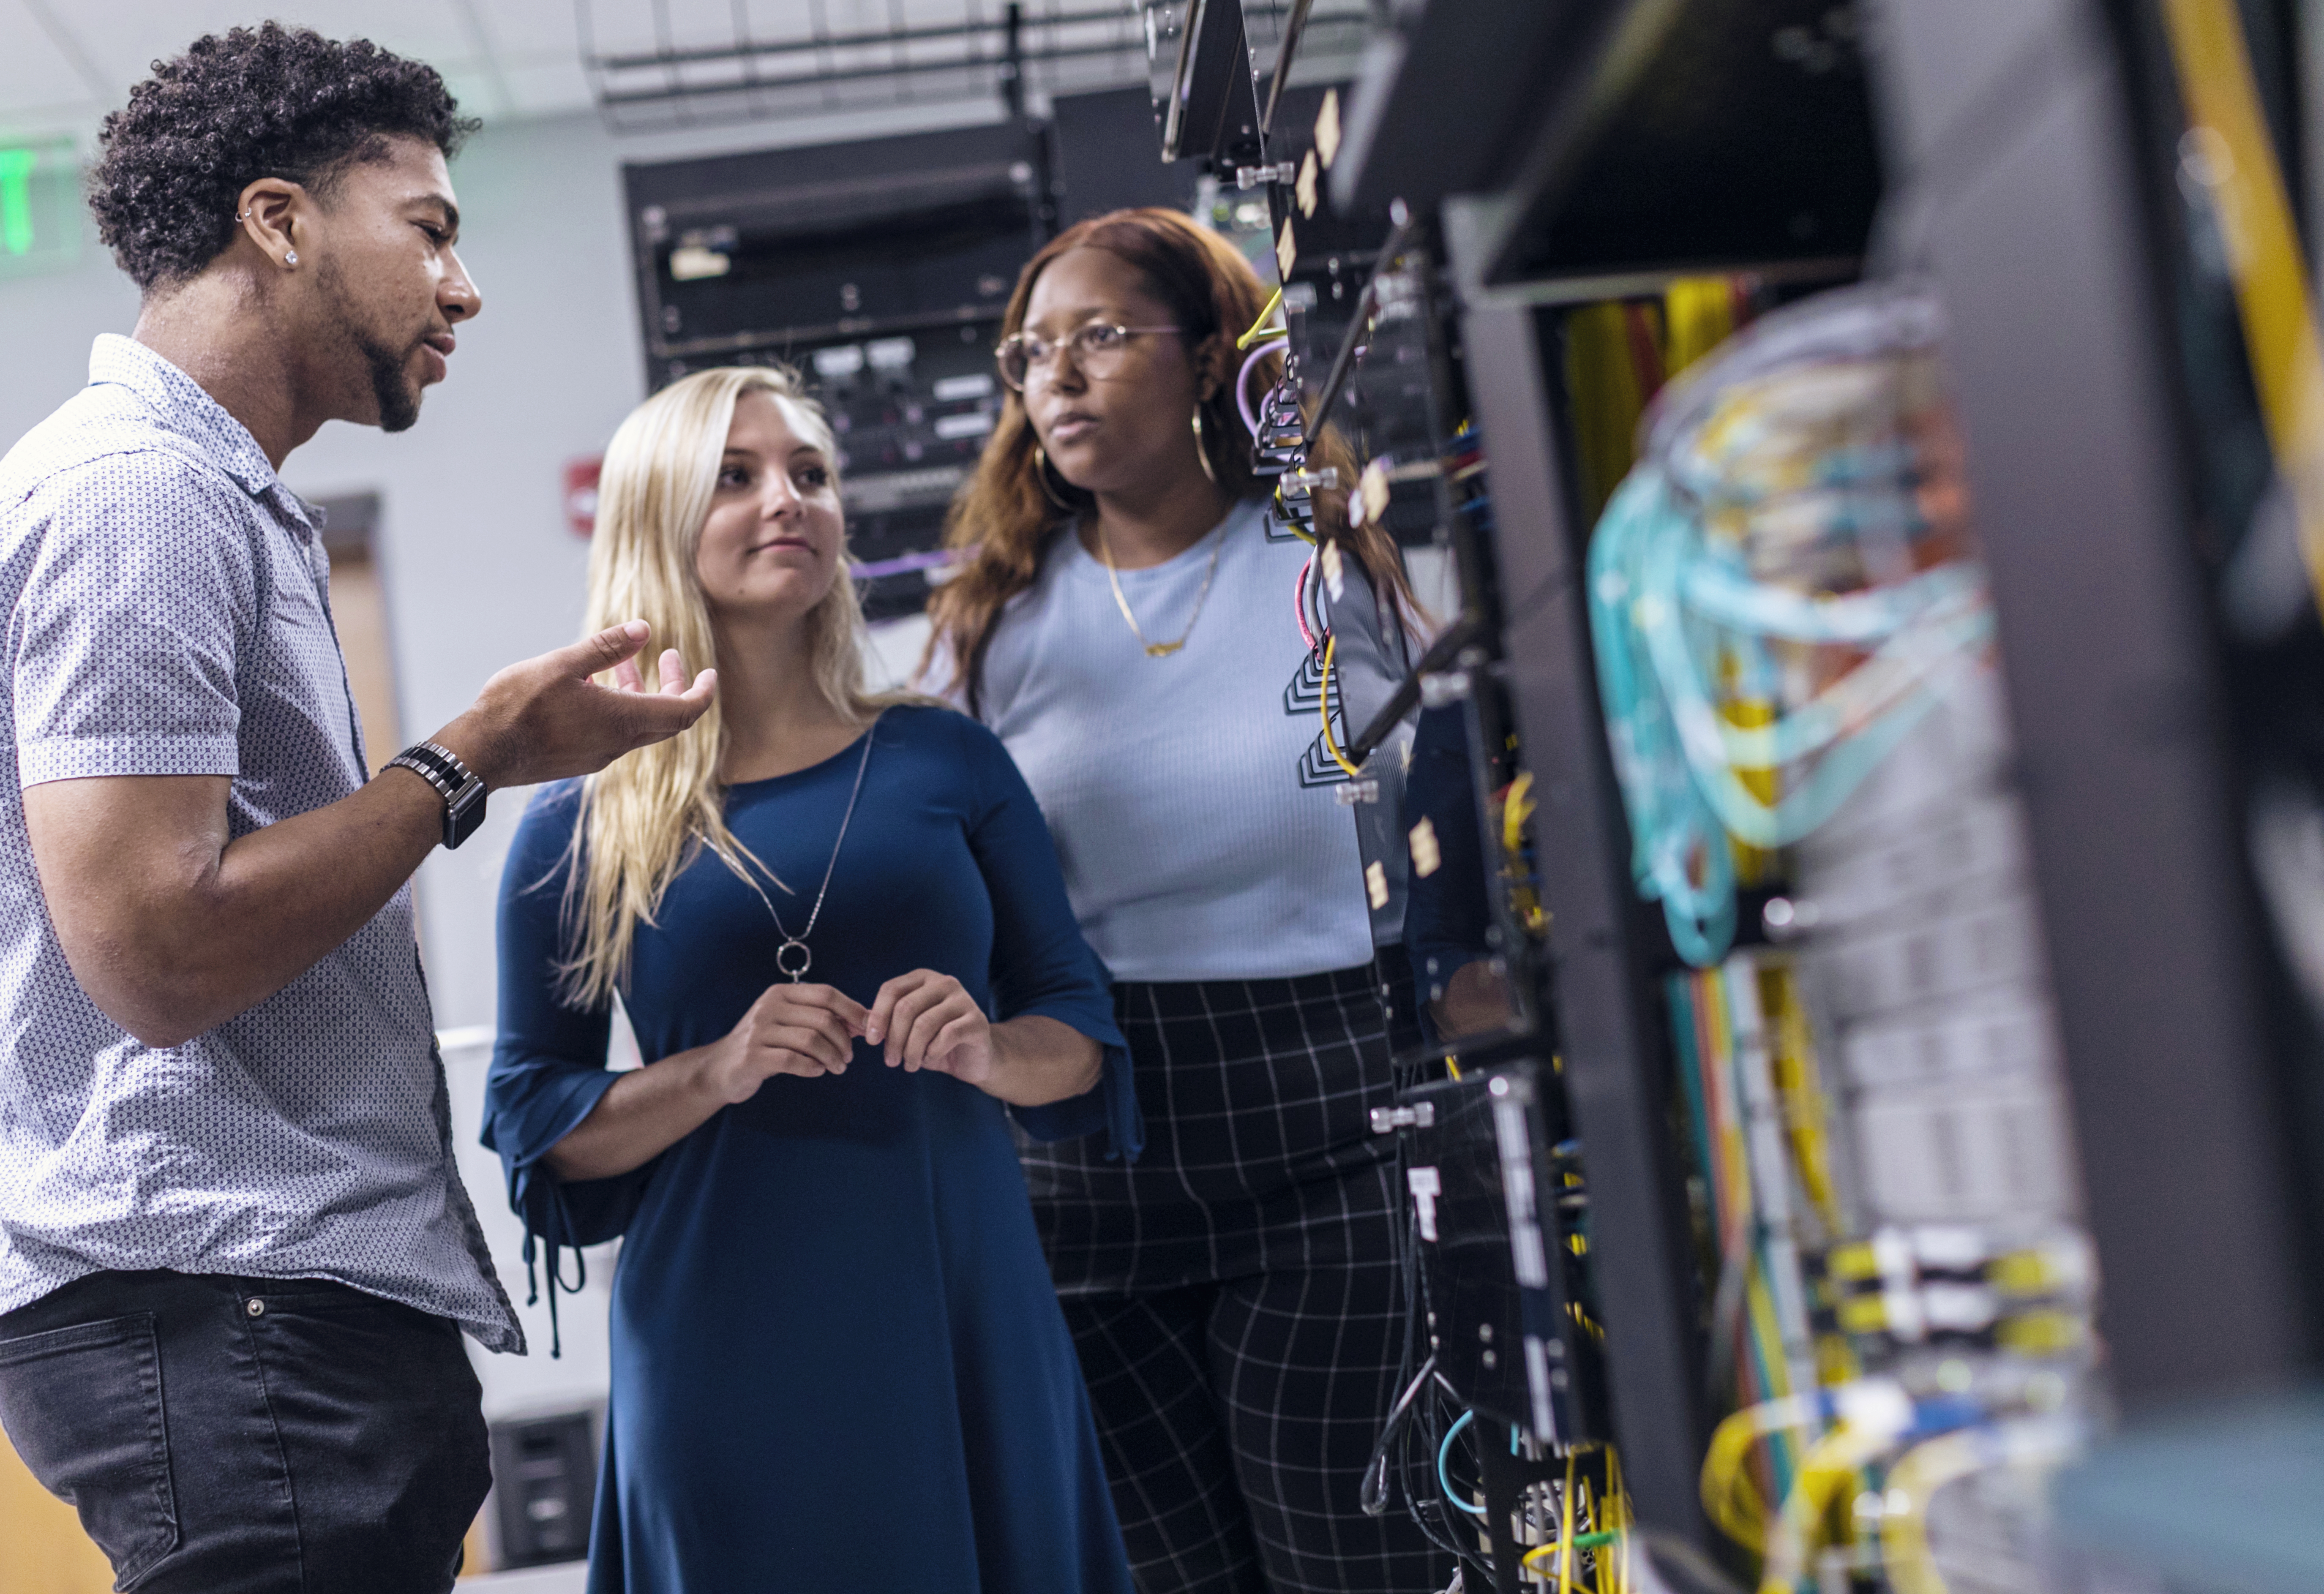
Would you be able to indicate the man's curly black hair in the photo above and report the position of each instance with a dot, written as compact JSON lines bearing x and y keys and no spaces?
{"x":266,"y":102}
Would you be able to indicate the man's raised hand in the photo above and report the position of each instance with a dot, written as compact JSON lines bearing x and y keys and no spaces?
{"x":547,"y":718}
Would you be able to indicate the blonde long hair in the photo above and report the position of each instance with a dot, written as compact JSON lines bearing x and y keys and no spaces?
{"x":643,"y":817}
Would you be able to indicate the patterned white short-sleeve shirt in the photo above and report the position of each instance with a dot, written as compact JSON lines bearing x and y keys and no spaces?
{"x":167,"y":602}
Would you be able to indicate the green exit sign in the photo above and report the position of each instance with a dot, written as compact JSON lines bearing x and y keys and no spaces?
{"x":40,"y":206}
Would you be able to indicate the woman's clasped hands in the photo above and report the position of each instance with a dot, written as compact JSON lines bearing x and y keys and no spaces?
{"x":922,"y":1019}
{"x":928,"y":1020}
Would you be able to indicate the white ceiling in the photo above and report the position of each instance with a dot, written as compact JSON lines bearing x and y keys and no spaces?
{"x":64,"y":63}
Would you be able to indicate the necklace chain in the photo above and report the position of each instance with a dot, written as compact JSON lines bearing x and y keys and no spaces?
{"x":807,"y":954}
{"x":1121,"y":600}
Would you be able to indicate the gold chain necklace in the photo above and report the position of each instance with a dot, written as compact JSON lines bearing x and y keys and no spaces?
{"x":1159,"y":649}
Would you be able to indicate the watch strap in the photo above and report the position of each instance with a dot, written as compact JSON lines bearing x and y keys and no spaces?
{"x":461,"y":787}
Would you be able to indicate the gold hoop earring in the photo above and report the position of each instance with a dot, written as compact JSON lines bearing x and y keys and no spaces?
{"x":1041,"y":475}
{"x":1202,"y":448}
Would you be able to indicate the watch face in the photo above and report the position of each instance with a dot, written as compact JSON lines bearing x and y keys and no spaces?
{"x":464,"y":813}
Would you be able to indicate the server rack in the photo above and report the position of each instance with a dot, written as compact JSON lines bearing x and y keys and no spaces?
{"x":2020,"y":156}
{"x":1554,"y":200}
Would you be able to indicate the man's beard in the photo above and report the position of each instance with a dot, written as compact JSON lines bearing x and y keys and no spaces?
{"x":398,"y":398}
{"x":397,"y":395}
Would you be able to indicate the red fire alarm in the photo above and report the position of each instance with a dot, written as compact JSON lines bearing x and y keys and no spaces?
{"x":581,"y":494}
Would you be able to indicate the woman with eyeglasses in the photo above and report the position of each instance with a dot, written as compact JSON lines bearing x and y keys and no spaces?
{"x":1124,"y":616}
{"x":834,"y":921}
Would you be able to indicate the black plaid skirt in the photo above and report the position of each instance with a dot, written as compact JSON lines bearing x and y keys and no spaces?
{"x":1257,"y":1097}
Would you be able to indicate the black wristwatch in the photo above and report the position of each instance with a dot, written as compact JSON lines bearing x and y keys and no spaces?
{"x":461,"y":787}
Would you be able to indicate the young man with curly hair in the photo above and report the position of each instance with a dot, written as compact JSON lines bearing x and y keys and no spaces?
{"x":235,"y":1256}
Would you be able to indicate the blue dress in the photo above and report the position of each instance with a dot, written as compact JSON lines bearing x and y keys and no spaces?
{"x":838,"y":1361}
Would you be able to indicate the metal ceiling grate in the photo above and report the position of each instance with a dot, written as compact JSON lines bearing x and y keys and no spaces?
{"x":674,"y":63}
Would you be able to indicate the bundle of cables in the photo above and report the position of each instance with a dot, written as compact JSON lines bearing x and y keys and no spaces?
{"x":1780,"y":591}
{"x":1881,"y":1458}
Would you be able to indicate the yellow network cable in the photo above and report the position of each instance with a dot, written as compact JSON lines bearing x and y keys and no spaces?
{"x":1698,"y":316}
{"x":1807,"y":1111}
{"x":1759,"y":1307}
{"x":1586,"y":1518}
{"x":2247,"y":186}
{"x":1743,"y":1516}
{"x":1917,"y":1477}
{"x":1733,"y":1173}
{"x":1766,"y":1336}
{"x":1540,"y":1560}
{"x":1608,"y":399}
{"x":1259,"y":328}
{"x":1753,"y":865}
{"x":1331,"y":645}
{"x":1291,"y":525}
{"x":1515,"y":809}
{"x":1620,"y":1523}
{"x":1603,"y":1524}
{"x":1565,"y":1530}
{"x":1833,"y":1464}
{"x":1760,"y":1365}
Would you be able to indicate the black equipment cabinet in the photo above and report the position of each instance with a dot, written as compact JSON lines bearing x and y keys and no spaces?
{"x":774,"y":249}
{"x":1486,"y":1180}
{"x":880,"y":270}
{"x":2020,"y":156}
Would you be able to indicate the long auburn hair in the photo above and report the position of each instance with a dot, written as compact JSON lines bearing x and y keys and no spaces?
{"x":643,"y":815}
{"x":1005,"y":520}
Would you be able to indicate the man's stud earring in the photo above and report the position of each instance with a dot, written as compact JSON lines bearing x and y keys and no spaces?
{"x":292,"y":258}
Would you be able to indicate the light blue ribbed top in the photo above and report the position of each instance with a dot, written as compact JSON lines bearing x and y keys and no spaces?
{"x":1192,"y":851}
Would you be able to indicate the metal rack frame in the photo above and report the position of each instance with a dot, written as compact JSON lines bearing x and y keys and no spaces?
{"x":2021,"y":129}
{"x":2013,"y":152}
{"x":1607,"y":1023}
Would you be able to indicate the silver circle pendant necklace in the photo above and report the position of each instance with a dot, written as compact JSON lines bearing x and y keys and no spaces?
{"x":798,"y":942}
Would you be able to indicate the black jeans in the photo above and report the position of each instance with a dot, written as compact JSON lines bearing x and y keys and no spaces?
{"x":249,"y":1436}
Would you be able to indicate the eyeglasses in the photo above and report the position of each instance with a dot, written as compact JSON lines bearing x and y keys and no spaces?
{"x":1098,"y":350}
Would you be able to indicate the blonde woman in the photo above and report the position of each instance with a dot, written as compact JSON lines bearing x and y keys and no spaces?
{"x":837,"y":926}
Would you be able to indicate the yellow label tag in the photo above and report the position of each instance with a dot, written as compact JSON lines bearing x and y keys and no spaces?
{"x":1372,"y":490}
{"x":1327,"y":129}
{"x":1426,"y":859}
{"x":1287,"y":251}
{"x":1305,"y":187}
{"x":1375,"y":885}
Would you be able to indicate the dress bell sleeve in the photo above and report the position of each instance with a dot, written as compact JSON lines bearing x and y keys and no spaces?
{"x":1040,"y":963}
{"x":549,"y":1061}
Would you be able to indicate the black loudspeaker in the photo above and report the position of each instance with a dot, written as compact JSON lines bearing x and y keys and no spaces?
{"x":545,"y":1479}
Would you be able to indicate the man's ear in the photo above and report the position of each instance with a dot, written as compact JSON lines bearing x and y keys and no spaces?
{"x":271,"y":212}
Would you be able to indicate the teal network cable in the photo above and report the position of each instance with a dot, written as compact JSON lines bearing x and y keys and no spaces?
{"x":1669,"y":607}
